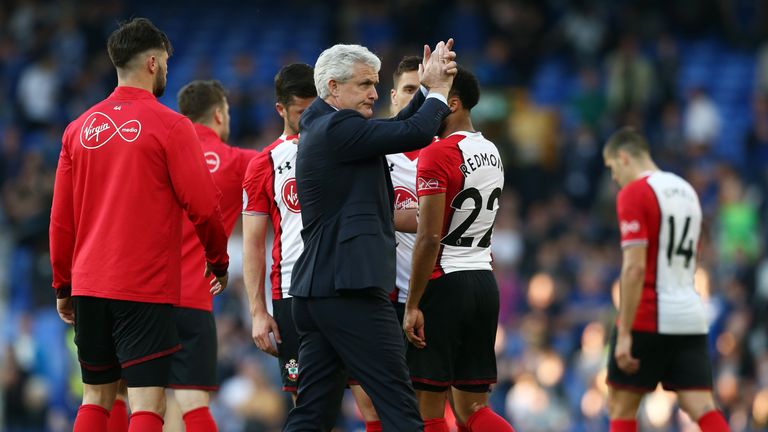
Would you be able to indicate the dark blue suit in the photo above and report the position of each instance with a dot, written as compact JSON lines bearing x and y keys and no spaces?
{"x":341,"y":280}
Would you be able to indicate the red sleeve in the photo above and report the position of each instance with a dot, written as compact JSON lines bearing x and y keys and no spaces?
{"x":258,"y":194}
{"x":197,"y":193}
{"x":632,"y":220}
{"x":61,"y":232}
{"x":432,"y":171}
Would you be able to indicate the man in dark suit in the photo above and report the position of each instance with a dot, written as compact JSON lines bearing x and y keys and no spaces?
{"x":341,"y":280}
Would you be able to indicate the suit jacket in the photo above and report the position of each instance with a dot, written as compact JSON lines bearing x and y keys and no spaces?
{"x":346,"y":195}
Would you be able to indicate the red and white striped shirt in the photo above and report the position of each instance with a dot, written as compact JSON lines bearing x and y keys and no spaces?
{"x":402,"y":169}
{"x":227,"y":165}
{"x":662,"y":212}
{"x":269,"y":188}
{"x":467,"y":168}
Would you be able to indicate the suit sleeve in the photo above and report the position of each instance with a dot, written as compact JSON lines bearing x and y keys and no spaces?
{"x":62,"y":227}
{"x":197,"y":193}
{"x":352,"y":137}
{"x":412,"y":108}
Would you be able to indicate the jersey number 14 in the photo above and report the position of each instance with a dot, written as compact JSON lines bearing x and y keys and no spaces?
{"x":684,"y":246}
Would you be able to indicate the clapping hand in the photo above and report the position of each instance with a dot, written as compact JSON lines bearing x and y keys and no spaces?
{"x":438,"y":67}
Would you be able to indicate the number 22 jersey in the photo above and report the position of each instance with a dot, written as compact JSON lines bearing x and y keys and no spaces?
{"x":467,"y":168}
{"x":661,"y":211}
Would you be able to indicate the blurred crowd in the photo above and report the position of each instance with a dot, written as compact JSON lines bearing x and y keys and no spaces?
{"x":557,"y":77}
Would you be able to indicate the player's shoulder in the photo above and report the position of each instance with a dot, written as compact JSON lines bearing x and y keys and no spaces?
{"x":635,"y":191}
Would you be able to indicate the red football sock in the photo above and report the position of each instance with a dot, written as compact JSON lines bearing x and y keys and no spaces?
{"x":200,"y":420}
{"x":461,"y":427}
{"x":436,"y":425}
{"x":623,"y":425}
{"x":713,"y":421}
{"x":374,"y":426}
{"x":146,"y":421}
{"x":91,"y":418}
{"x":485,"y":419}
{"x":118,"y":417}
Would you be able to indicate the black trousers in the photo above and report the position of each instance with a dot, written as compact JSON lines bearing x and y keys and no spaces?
{"x":355,"y":333}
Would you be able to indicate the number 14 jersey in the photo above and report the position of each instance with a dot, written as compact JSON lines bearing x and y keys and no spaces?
{"x":467,"y":168}
{"x":661,"y":211}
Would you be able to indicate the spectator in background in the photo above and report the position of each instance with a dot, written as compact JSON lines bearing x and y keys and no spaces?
{"x":702,"y":121}
{"x":583,"y":31}
{"x":589,"y":102}
{"x":38,"y":93}
{"x":631,"y":80}
{"x":739,"y":239}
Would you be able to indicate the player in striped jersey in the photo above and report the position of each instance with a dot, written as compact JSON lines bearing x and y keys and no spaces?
{"x":269,"y":196}
{"x":452,"y":309}
{"x":661,"y":333}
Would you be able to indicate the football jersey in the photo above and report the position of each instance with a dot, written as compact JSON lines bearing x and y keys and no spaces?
{"x":269,"y":188}
{"x":467,"y":168}
{"x":661,"y":211}
{"x":402,"y":169}
{"x":227,"y":166}
{"x":129,"y":170}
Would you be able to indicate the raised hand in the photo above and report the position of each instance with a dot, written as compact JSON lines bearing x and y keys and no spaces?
{"x":438,"y":67}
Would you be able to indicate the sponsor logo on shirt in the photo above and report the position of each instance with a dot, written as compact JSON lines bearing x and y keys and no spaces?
{"x":427,"y":184}
{"x":290,"y":197}
{"x":404,"y":198}
{"x":98,"y":129}
{"x":213,"y":160}
{"x":629,"y":227}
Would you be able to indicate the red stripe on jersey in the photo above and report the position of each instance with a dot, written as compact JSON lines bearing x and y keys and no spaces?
{"x":276,"y":277}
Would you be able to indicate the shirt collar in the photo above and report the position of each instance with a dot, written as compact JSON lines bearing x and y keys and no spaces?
{"x":125,"y":92}
{"x":205,"y":133}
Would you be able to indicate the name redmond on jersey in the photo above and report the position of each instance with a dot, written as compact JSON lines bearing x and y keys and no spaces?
{"x":477,"y":161}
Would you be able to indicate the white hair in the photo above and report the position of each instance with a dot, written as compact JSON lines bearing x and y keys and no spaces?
{"x":338,"y":62}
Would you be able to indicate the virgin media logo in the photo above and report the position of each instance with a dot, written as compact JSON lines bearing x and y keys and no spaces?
{"x":98,"y":129}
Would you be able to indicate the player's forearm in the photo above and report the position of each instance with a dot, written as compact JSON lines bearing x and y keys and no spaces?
{"x":425,"y":253}
{"x":254,"y":269}
{"x":631,"y":288}
{"x":405,"y":220}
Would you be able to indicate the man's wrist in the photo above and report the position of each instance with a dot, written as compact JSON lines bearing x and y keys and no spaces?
{"x":63,"y":292}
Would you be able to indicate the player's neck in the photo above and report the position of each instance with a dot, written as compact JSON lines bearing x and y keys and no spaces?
{"x":289,"y":132}
{"x":644,"y":168}
{"x":215,"y":128}
{"x":453,"y":125}
{"x":133,"y":80}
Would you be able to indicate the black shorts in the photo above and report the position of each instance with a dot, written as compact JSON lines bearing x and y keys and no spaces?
{"x":288,"y":350}
{"x":119,"y":338}
{"x":678,"y":362}
{"x":194,"y":365}
{"x":461,"y":313}
{"x":400,"y":311}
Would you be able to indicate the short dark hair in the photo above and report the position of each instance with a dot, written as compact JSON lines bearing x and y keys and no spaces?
{"x":295,"y":80}
{"x":629,"y":140}
{"x":198,"y":99}
{"x":135,"y":37}
{"x":407,"y":64}
{"x":466,"y":87}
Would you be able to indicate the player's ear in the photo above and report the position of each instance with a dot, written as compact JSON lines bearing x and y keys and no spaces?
{"x":218,"y":115}
{"x":333,"y":86}
{"x":280,"y":109}
{"x":152,"y":63}
{"x":392,"y":94}
{"x":454,"y":104}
